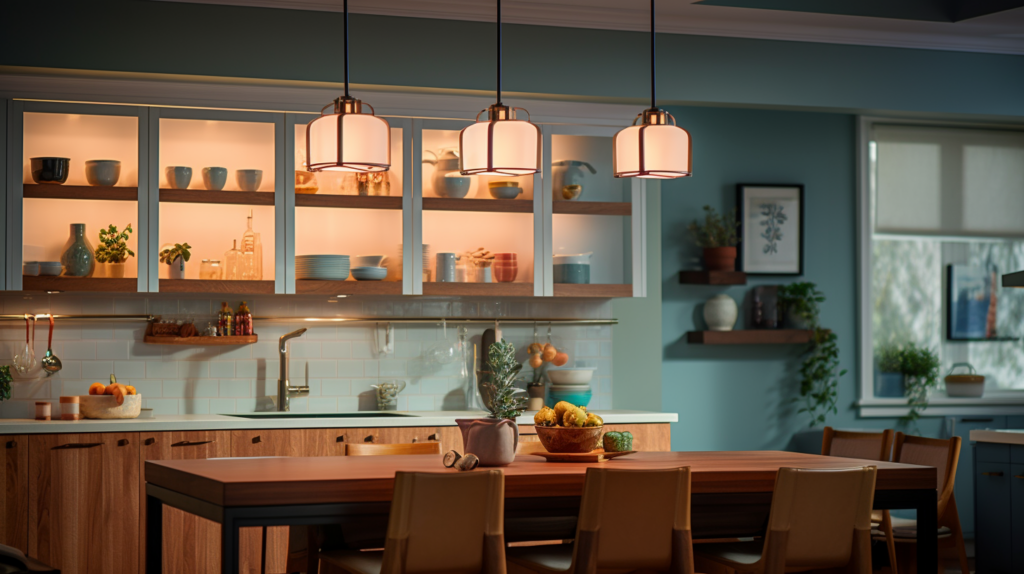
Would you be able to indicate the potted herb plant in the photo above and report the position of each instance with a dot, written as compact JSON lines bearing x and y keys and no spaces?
{"x":175,"y":259}
{"x":5,"y":382}
{"x":799,"y":303}
{"x":889,"y":380}
{"x":113,"y":250}
{"x":718,"y":237}
{"x":493,"y":440}
{"x":920,"y":368}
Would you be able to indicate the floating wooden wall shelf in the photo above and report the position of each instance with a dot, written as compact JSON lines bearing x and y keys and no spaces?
{"x":202,"y":341}
{"x":750,"y":337}
{"x":60,"y":283}
{"x":595,"y":290}
{"x":713,"y":277}
{"x":592,"y":207}
{"x":221,"y":197}
{"x":485,"y":205}
{"x":347,"y":201}
{"x":58,"y":191}
{"x":318,"y":287}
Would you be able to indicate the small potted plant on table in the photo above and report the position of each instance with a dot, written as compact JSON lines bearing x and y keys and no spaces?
{"x":175,"y":259}
{"x":718,"y":237}
{"x":493,"y":440}
{"x":113,"y":250}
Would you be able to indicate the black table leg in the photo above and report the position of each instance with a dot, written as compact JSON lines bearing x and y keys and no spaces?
{"x":229,"y":535}
{"x":927,"y":533}
{"x":154,"y":535}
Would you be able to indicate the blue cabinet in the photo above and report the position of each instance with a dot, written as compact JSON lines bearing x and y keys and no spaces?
{"x":963,"y":488}
{"x":999,"y":508}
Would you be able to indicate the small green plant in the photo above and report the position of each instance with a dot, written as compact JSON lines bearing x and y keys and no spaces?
{"x":113,"y":245}
{"x":504,"y":370}
{"x":169,"y":254}
{"x":920,"y":367}
{"x":716,"y":230}
{"x":820,"y":372}
{"x":889,"y":358}
{"x":5,"y":382}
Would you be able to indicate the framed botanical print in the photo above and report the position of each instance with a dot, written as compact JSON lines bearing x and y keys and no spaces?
{"x":771,"y":219}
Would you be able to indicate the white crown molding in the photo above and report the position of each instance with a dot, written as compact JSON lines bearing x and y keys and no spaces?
{"x":997,"y":33}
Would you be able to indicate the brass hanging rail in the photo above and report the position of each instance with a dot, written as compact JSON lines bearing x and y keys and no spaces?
{"x":38,"y":316}
{"x":394,"y":320}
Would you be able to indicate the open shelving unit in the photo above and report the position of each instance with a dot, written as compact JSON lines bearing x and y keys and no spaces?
{"x":750,"y":337}
{"x":216,"y":197}
{"x":478,"y":205}
{"x":58,"y":191}
{"x":478,"y":289}
{"x":97,"y":284}
{"x":348,"y":201}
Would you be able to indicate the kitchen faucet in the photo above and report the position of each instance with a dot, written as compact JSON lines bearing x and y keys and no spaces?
{"x":284,"y":389}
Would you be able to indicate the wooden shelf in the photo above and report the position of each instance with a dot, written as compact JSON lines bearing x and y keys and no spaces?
{"x":202,"y":341}
{"x":593,"y":207}
{"x":478,"y":289}
{"x":318,"y":287}
{"x":57,"y":191}
{"x":750,"y":337}
{"x":216,"y":286}
{"x":597,"y":291}
{"x":348,"y":201}
{"x":486,"y":205}
{"x":221,"y":197}
{"x":60,"y":283}
{"x":713,"y":277}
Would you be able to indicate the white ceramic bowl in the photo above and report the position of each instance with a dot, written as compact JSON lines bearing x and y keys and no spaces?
{"x":368,"y":260}
{"x":573,"y":376}
{"x":106,"y":407}
{"x":102,"y":171}
{"x":369,"y":273}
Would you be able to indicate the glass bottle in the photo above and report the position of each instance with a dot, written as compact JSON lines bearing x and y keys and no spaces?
{"x":248,"y":262}
{"x":258,"y":255}
{"x":232,"y":260}
{"x":243,"y":320}
{"x":225,"y":320}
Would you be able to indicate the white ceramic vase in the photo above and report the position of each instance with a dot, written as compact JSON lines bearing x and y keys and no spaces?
{"x":720,"y":313}
{"x":176,"y":270}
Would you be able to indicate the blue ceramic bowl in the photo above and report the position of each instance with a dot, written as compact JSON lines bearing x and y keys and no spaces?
{"x":580,"y":399}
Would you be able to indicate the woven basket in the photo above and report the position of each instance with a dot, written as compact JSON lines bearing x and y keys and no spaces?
{"x":165,"y":329}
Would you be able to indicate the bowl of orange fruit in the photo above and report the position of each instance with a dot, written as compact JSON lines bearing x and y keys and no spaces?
{"x":113,"y":401}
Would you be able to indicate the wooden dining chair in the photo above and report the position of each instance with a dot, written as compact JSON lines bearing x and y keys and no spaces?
{"x":372,"y":449}
{"x":629,"y":520}
{"x":943,"y":454}
{"x":439,"y":522}
{"x":866,"y":446}
{"x":820,"y":519}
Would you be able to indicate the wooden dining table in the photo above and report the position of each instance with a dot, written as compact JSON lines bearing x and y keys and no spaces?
{"x":731,"y":491}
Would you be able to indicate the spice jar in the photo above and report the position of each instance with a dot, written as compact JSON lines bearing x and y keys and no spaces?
{"x":225,"y":320}
{"x":243,"y":320}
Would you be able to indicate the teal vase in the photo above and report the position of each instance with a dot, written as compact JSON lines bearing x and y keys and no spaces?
{"x":79,"y":258}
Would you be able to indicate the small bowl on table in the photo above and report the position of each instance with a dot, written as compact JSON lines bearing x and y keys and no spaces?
{"x":570,"y":439}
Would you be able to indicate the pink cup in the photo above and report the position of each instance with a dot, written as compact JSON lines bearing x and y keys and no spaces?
{"x":505,"y":271}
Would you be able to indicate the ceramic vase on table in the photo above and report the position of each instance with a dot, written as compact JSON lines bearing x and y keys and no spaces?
{"x":720,"y":313}
{"x":493,"y":441}
{"x":78,"y":257}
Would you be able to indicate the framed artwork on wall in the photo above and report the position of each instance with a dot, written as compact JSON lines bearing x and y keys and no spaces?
{"x":771,"y":219}
{"x":971,"y":302}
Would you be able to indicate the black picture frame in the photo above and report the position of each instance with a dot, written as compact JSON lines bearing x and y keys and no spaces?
{"x":742,"y":193}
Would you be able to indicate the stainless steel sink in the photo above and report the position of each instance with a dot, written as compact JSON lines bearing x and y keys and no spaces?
{"x":291,"y":415}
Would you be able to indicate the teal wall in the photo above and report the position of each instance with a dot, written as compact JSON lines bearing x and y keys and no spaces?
{"x":736,"y":398}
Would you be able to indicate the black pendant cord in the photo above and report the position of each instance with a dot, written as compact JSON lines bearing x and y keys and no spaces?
{"x":499,"y":51}
{"x":654,"y":86}
{"x":346,"y":49}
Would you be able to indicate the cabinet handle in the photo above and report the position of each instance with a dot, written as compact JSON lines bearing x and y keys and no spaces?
{"x":992,"y":473}
{"x":77,"y":445}
{"x":370,"y":438}
{"x":1021,"y":476}
{"x":433,"y":437}
{"x":256,"y":439}
{"x":976,"y":420}
{"x":341,"y":438}
{"x":414,"y":439}
{"x":11,"y":444}
{"x":149,"y":441}
{"x":191,"y":443}
{"x":122,"y":442}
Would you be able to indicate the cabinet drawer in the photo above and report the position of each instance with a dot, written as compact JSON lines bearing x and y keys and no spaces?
{"x":992,"y":452}
{"x":993,"y":535}
{"x":1017,"y":513}
{"x":1016,"y":453}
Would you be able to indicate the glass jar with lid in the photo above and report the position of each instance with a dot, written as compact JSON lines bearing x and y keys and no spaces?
{"x":211,"y":269}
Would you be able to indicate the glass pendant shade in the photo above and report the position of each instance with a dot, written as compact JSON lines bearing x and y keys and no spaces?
{"x":654,"y":149}
{"x":502,"y":145}
{"x":348,"y":140}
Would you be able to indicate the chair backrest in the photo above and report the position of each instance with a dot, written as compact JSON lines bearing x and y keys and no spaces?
{"x":371,"y":449}
{"x":820,"y":518}
{"x":864,"y":445}
{"x":943,"y":454}
{"x":446,"y":522}
{"x":635,"y":519}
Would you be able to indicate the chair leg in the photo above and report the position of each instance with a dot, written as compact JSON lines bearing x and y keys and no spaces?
{"x":312,"y":549}
{"x":263,"y":552}
{"x":952,"y":520}
{"x":890,"y":542}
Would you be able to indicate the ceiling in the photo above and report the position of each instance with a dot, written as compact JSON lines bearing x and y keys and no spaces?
{"x":994,"y":26}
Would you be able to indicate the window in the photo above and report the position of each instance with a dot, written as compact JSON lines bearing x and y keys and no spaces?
{"x":934,"y":197}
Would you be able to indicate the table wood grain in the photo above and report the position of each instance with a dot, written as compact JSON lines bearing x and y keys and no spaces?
{"x":324,"y":480}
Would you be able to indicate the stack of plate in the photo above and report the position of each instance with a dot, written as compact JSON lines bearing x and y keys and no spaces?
{"x":49,"y":267}
{"x":323,"y":267}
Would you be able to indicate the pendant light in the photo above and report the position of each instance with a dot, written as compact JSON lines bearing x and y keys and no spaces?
{"x":348,"y":139}
{"x":655,"y":149}
{"x":501,"y":145}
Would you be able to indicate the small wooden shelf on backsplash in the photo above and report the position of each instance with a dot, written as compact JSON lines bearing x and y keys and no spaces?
{"x":750,"y":337}
{"x":713,"y":277}
{"x":202,"y":341}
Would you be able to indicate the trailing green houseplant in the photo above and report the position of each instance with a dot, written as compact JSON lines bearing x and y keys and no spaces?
{"x":718,"y":236}
{"x":820,"y":372}
{"x":920,"y":367}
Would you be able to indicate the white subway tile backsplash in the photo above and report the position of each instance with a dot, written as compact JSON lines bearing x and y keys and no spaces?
{"x":338,"y":362}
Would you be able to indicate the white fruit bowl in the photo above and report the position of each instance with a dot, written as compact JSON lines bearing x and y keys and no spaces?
{"x":106,"y":407}
{"x":577,"y":376}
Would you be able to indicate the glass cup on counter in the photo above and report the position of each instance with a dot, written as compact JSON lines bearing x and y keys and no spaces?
{"x":211,"y":269}
{"x":387,"y":394}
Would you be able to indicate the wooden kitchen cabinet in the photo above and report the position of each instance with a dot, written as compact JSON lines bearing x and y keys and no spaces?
{"x":83,"y":502}
{"x":284,"y":442}
{"x":449,"y":437}
{"x":14,"y":494}
{"x":191,"y":544}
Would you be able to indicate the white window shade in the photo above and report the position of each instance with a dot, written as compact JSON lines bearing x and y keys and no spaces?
{"x":948,"y":181}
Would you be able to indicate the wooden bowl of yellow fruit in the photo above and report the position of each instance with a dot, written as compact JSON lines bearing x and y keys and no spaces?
{"x":568,"y":428}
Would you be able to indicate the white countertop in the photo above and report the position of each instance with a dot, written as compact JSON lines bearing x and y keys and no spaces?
{"x":343,"y":420}
{"x":1000,"y":436}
